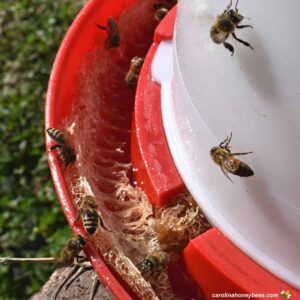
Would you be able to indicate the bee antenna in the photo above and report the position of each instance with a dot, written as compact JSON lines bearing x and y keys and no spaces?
{"x":236,"y":4}
{"x":230,"y":4}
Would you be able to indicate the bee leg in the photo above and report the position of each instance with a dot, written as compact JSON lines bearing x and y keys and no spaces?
{"x":228,"y":140}
{"x":101,"y":27}
{"x":229,"y":5}
{"x":68,"y":161}
{"x":155,"y":275}
{"x":224,"y":172}
{"x":224,"y":142}
{"x":95,"y":287}
{"x":236,"y":4}
{"x":71,"y":273}
{"x":148,"y":274}
{"x":243,"y":26}
{"x":66,"y":157}
{"x":80,"y":259}
{"x":60,"y":157}
{"x":241,"y":41}
{"x":241,"y":153}
{"x":79,"y":271}
{"x":139,"y":266}
{"x":55,"y":146}
{"x":229,"y":47}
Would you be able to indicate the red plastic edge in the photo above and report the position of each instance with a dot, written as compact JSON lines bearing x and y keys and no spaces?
{"x":220,"y":267}
{"x":155,"y":171}
{"x":165,"y":29}
{"x":58,"y":103}
{"x":214,"y":263}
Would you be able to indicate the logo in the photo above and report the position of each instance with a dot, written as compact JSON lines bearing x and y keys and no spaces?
{"x":285,"y":295}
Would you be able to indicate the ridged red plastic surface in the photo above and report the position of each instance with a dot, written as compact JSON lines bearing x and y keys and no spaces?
{"x":221,"y":268}
{"x":151,"y":158}
{"x":214,"y":262}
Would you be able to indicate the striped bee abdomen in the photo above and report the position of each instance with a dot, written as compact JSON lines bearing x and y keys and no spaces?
{"x":244,"y":170}
{"x":65,"y":152}
{"x":56,"y":135}
{"x":90,"y":221}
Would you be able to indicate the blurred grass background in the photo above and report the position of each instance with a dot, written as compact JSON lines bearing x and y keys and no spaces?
{"x":31,"y":221}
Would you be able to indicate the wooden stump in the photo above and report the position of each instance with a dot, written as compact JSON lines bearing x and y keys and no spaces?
{"x":80,"y":288}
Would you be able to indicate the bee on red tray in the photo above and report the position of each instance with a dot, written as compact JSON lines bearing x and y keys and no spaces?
{"x":89,"y":214}
{"x":153,"y":261}
{"x":132,"y":75}
{"x":70,"y":251}
{"x":65,"y":152}
{"x":113,"y":33}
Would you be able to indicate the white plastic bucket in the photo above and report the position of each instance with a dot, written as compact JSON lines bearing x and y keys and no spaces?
{"x":255,"y":94}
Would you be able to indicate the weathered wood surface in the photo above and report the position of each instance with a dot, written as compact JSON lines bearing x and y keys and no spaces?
{"x":80,"y":288}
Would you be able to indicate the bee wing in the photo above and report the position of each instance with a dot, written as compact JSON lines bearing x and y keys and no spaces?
{"x":225,"y":173}
{"x":231,"y":164}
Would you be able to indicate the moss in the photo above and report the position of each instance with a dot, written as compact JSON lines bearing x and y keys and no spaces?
{"x":31,"y":222}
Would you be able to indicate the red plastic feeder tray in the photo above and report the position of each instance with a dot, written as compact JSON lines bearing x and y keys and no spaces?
{"x":82,"y":38}
{"x":213,"y":262}
{"x":65,"y":88}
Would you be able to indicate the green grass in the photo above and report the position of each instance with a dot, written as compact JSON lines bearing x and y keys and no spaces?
{"x":31,"y":221}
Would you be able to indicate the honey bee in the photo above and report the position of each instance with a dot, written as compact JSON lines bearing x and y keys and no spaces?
{"x":132,"y":75}
{"x":162,"y":8}
{"x":89,"y":214}
{"x":70,"y":251}
{"x":65,"y":152}
{"x":153,"y":261}
{"x":112,"y":29}
{"x":160,"y":13}
{"x":222,"y":156}
{"x":225,"y":24}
